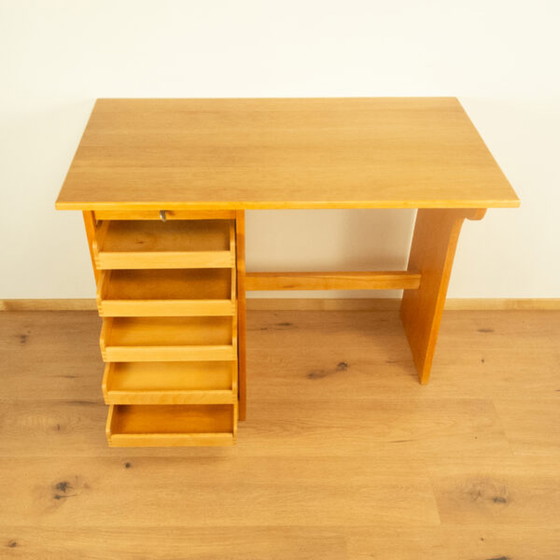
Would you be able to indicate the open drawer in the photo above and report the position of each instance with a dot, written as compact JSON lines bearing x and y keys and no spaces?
{"x":154,"y":339}
{"x":171,"y":425}
{"x":157,"y":293}
{"x":170,"y":383}
{"x":134,"y":244}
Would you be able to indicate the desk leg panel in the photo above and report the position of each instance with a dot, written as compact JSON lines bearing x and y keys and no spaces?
{"x":432,"y":252}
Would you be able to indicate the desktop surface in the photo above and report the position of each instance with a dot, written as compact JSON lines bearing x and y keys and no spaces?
{"x":142,"y":154}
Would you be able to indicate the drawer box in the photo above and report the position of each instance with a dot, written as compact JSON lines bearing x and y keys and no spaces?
{"x":171,"y":425}
{"x":159,"y":293}
{"x":153,"y":339}
{"x":170,"y":383}
{"x":138,"y":244}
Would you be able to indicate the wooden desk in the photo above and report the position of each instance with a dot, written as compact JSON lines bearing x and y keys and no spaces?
{"x":163,"y":185}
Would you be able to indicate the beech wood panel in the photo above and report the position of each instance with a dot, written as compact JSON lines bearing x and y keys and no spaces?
{"x":181,"y":235}
{"x":168,"y":339}
{"x":152,"y":292}
{"x":241,"y":313}
{"x":153,"y":236}
{"x":436,"y":234}
{"x":154,"y":353}
{"x":169,"y":215}
{"x":138,"y":244}
{"x":90,"y":227}
{"x":167,"y":259}
{"x":158,"y":331}
{"x":377,"y":280}
{"x":207,"y":382}
{"x":180,"y":154}
{"x":171,"y":425}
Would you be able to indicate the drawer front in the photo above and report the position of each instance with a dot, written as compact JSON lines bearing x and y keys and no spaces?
{"x":136,"y":244}
{"x":152,"y":339}
{"x":165,"y":308}
{"x":170,"y":383}
{"x":169,"y":215}
{"x":171,"y":440}
{"x":168,"y":353}
{"x":167,"y":293}
{"x":169,"y":259}
{"x":171,"y":425}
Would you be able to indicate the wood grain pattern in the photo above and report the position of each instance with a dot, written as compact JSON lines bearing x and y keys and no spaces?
{"x":176,"y":244}
{"x":436,"y":234}
{"x":376,"y":280}
{"x":169,"y":543}
{"x":241,"y":314}
{"x":508,"y":498}
{"x":482,"y":542}
{"x":90,"y":227}
{"x":180,"y":154}
{"x":344,"y":456}
{"x":147,"y":339}
{"x":522,"y":418}
{"x":156,"y":236}
{"x":170,"y":383}
{"x":167,"y":259}
{"x":161,"y":293}
{"x":169,"y":215}
{"x":171,"y":425}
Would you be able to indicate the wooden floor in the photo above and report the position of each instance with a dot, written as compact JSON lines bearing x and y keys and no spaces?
{"x":343,"y":456}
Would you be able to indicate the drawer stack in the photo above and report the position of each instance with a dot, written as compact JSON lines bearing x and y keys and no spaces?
{"x":167,"y":293}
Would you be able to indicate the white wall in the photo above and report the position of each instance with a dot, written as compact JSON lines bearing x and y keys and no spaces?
{"x":499,"y":57}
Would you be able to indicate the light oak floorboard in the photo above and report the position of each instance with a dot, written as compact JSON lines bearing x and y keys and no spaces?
{"x":533,"y":425}
{"x":343,"y":454}
{"x":103,"y":492}
{"x":484,"y":542}
{"x":163,"y":543}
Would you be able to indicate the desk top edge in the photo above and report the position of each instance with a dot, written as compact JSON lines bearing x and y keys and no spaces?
{"x":284,"y":205}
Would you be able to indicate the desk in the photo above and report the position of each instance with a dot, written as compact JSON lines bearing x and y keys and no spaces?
{"x":163,"y":185}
